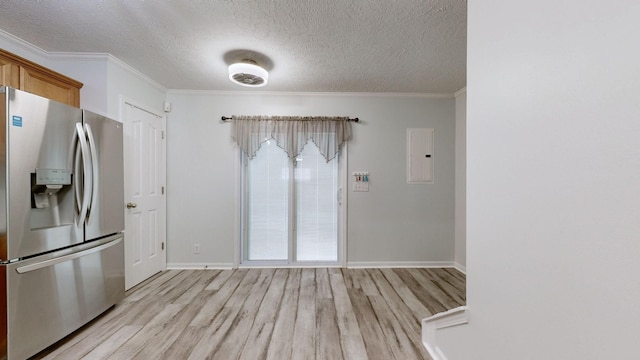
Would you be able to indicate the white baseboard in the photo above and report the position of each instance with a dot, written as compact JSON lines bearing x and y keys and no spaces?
{"x":261,"y":266}
{"x":398,"y":264}
{"x":461,"y":268}
{"x":432,"y":324}
{"x":350,"y":265}
{"x":199,"y":266}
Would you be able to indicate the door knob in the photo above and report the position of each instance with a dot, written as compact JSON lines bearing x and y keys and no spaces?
{"x":131,"y":205}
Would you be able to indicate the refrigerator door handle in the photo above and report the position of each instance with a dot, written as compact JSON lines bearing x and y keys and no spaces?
{"x":83,"y":205}
{"x":61,"y":259}
{"x":94,"y":168}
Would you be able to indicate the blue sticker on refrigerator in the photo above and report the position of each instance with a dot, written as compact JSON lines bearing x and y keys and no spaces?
{"x":16,"y":120}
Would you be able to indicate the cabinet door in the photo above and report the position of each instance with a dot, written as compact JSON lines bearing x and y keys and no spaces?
{"x":9,"y":73}
{"x":22,"y":74}
{"x":40,"y":83}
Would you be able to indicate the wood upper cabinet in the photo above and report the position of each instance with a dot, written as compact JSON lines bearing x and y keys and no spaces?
{"x":25,"y":75}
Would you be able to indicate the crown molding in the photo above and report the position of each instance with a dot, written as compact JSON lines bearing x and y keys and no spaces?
{"x":22,"y":44}
{"x":292,"y":93}
{"x":137,"y":73}
{"x":74,"y":56}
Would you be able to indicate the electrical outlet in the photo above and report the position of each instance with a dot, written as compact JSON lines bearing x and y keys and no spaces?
{"x":196,"y":248}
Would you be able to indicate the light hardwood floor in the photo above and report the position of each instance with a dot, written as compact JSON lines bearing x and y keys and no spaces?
{"x":323,"y":313}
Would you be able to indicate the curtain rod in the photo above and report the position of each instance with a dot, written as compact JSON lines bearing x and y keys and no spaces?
{"x":225,"y":118}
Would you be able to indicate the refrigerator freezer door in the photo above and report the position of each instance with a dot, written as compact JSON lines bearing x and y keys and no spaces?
{"x":106,"y":212}
{"x":40,"y":137}
{"x":50,"y":296}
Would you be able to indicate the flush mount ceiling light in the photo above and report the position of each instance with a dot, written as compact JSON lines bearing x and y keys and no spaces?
{"x":248,"y":73}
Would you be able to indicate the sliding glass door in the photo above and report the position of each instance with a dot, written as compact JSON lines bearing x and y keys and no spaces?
{"x":290,"y":208}
{"x":316,"y":210}
{"x":267,"y":196}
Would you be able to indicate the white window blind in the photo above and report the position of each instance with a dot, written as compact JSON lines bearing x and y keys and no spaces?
{"x":316,"y":206}
{"x":267,"y":206}
{"x":277,"y":223}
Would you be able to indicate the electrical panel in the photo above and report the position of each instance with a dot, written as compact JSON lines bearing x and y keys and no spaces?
{"x":420,"y":156}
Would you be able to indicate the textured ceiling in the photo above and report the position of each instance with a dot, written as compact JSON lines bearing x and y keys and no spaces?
{"x":416,"y":46}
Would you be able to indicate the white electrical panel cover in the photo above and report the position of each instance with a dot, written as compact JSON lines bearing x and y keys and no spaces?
{"x":420,"y":156}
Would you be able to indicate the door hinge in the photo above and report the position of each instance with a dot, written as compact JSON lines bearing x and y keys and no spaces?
{"x":163,"y":134}
{"x":163,"y":190}
{"x":162,"y":246}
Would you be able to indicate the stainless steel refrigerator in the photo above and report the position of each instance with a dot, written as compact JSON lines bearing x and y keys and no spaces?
{"x":61,"y":220}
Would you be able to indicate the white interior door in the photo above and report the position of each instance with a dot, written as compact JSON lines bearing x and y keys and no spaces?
{"x":145,"y":174}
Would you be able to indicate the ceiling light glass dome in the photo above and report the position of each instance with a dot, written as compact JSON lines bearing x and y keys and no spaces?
{"x":248,"y":73}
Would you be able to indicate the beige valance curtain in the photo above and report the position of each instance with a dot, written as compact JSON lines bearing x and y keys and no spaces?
{"x":291,"y":133}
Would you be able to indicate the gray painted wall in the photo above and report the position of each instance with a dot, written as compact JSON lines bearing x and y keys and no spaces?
{"x":393,"y":222}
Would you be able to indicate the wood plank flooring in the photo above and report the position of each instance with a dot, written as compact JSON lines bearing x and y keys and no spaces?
{"x":322,"y":313}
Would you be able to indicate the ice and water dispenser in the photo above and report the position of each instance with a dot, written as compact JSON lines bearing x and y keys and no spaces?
{"x":46,"y":184}
{"x":50,"y":189}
